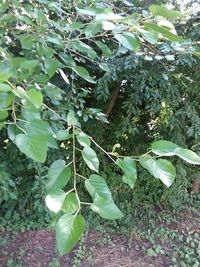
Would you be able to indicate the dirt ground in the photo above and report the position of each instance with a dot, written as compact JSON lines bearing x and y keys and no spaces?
{"x":39,"y":250}
{"x":174,"y":238}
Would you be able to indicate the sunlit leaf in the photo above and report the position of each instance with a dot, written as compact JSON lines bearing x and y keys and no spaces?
{"x":71,"y":118}
{"x":69,"y":230}
{"x":63,"y":135}
{"x":55,"y":200}
{"x":161,"y":10}
{"x":35,"y":97}
{"x":51,"y":66}
{"x":90,"y":158}
{"x":64,"y":76}
{"x":58,"y":175}
{"x":83,"y":139}
{"x":166,"y":33}
{"x":128,"y":40}
{"x":188,"y":155}
{"x":5,"y":87}
{"x":161,"y":169}
{"x":70,"y":204}
{"x":104,"y":67}
{"x":164,"y":148}
{"x":92,"y":29}
{"x":34,"y":147}
{"x":128,"y":165}
{"x":97,"y":185}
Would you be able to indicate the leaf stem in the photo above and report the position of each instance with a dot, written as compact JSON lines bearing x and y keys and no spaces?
{"x":69,"y":163}
{"x":81,"y":176}
{"x":96,"y":144}
{"x":53,"y":111}
{"x":86,"y":203}
{"x":74,"y":168}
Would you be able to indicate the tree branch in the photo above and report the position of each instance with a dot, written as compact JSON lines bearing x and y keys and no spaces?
{"x":113,"y":99}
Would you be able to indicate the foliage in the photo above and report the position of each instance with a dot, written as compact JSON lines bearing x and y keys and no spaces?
{"x":90,"y":49}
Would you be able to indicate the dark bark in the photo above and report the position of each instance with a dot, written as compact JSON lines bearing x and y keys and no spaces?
{"x":113,"y":100}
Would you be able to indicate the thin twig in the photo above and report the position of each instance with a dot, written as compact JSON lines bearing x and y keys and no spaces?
{"x":74,"y":168}
{"x":86,"y":203}
{"x":101,"y":149}
{"x":81,"y":176}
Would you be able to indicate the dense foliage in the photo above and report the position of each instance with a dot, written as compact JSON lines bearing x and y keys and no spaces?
{"x":68,"y":69}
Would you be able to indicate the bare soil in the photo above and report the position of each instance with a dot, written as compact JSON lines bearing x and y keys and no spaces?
{"x":37,"y":248}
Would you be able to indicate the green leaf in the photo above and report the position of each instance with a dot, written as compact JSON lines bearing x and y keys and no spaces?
{"x":35,"y":97}
{"x":5,"y":87}
{"x":34,"y":147}
{"x":51,"y":66}
{"x":196,"y":51}
{"x":3,"y":115}
{"x":188,"y":155}
{"x":55,"y":39}
{"x":97,"y":185}
{"x":2,"y":124}
{"x":70,"y":204}
{"x":167,"y":24}
{"x":102,"y":199}
{"x":90,"y":158}
{"x":92,"y":29}
{"x":35,"y":126}
{"x":110,"y":16}
{"x":13,"y":131}
{"x":104,"y":48}
{"x":128,"y":40}
{"x":63,"y":135}
{"x":164,"y":148}
{"x":6,"y":99}
{"x":58,"y":175}
{"x":31,"y":113}
{"x":64,"y":76}
{"x":5,"y":71}
{"x":75,"y":26}
{"x":39,"y":78}
{"x":161,"y":169}
{"x":104,"y":67}
{"x":128,"y":165}
{"x":53,"y":92}
{"x":29,"y":64}
{"x":55,"y":200}
{"x":106,"y":208}
{"x":82,"y":72}
{"x":26,"y":41}
{"x":67,"y":60}
{"x":69,"y":230}
{"x":150,"y":36}
{"x":71,"y":118}
{"x":169,"y":35}
{"x":86,"y":11}
{"x":83,"y":139}
{"x":82,"y":47}
{"x":101,"y":116}
{"x":161,"y":10}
